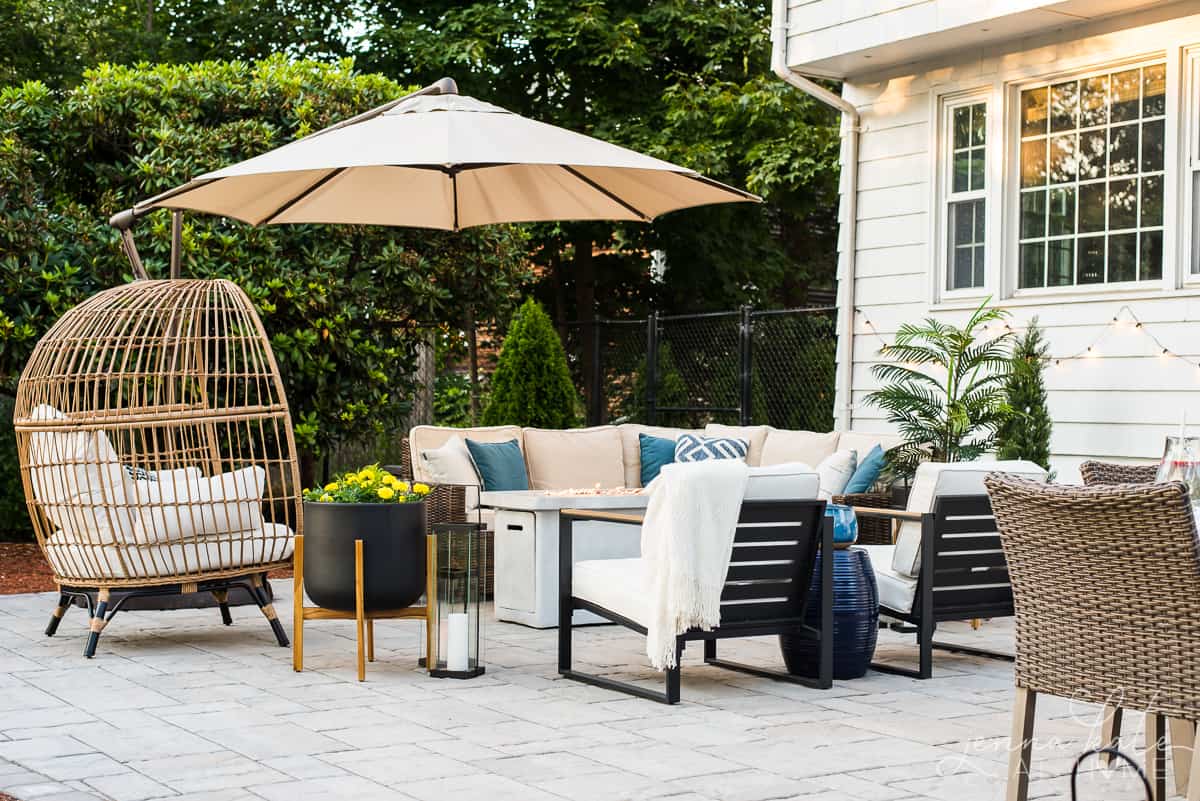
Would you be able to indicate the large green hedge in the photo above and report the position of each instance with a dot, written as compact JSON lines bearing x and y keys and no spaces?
{"x":339,"y":302}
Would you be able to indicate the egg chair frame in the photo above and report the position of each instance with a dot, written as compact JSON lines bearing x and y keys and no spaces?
{"x":156,"y":449}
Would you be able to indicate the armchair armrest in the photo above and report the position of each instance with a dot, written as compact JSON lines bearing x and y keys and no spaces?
{"x":889,"y":514}
{"x":597,"y":514}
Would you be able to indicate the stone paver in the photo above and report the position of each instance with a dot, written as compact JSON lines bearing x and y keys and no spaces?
{"x":177,"y":706}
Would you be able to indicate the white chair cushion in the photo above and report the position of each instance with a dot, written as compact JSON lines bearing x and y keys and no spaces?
{"x":795,"y":481}
{"x":631,"y":447}
{"x":449,"y":464}
{"x":896,"y":592}
{"x":835,"y":471}
{"x":934,"y":479}
{"x":618,"y":585}
{"x":782,"y":446}
{"x":272,"y":543}
{"x":576,"y":458}
{"x":173,"y":510}
{"x":755,"y":437}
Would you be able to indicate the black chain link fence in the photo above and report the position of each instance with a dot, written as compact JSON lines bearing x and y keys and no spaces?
{"x":744,"y":367}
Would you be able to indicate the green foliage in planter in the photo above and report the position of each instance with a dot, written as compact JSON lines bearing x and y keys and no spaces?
{"x":532,"y":384}
{"x":337,"y":301}
{"x":945,"y":389}
{"x":1026,"y":432}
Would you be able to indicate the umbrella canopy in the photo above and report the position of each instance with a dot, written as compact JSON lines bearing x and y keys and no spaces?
{"x":438,"y":159}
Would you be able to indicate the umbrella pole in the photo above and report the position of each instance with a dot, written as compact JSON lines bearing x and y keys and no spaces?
{"x":176,"y":241}
{"x":123,"y":221}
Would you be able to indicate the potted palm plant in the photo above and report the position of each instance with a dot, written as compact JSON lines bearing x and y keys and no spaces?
{"x":945,"y":389}
{"x":388,"y":515}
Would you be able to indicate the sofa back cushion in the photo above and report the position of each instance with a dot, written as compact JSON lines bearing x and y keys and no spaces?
{"x":755,"y":437}
{"x":422,"y":438}
{"x":796,"y":481}
{"x":783,"y":447}
{"x":862,"y":442}
{"x":631,"y":451}
{"x":576,"y":458}
{"x":935,"y":479}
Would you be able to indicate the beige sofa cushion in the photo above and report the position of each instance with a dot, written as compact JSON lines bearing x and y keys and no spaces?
{"x":755,"y":435}
{"x":631,"y":449}
{"x":427,"y":437}
{"x":783,"y":446}
{"x":574,"y":459}
{"x":862,"y":442}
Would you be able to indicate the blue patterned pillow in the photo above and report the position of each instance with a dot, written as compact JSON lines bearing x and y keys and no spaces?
{"x":692,"y":448}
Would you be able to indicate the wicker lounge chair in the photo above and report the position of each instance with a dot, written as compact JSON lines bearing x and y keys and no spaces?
{"x":1106,"y":473}
{"x":156,"y":450}
{"x":1080,"y":560}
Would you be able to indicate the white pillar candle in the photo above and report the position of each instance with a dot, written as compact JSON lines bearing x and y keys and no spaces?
{"x":458,"y":646}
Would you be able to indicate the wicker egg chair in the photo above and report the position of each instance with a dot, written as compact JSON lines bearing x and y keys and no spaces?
{"x":156,"y":450}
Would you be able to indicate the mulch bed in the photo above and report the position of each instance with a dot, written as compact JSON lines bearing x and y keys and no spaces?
{"x":24,"y":569}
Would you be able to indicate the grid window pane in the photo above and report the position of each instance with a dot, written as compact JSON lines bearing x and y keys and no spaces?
{"x":978,"y":124}
{"x":1126,"y":90}
{"x":1093,"y":155}
{"x":1033,"y":265}
{"x":967,"y":241}
{"x":1122,"y":257}
{"x":1064,"y":106}
{"x":1150,"y":266}
{"x":1062,"y":211}
{"x":1091,"y":259}
{"x":1093,"y":102}
{"x":1033,"y":214}
{"x":1152,"y":201}
{"x":1033,"y":111}
{"x":978,"y":168}
{"x":962,"y":127}
{"x":966,"y":221}
{"x":1060,"y":268}
{"x":1154,"y":91}
{"x":1092,"y":200}
{"x":1063,"y":161}
{"x":1122,"y":205}
{"x":1033,"y":163}
{"x":1152,"y":145}
{"x":1122,"y":150}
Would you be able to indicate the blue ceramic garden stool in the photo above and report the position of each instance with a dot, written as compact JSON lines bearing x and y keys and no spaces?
{"x":855,"y":610}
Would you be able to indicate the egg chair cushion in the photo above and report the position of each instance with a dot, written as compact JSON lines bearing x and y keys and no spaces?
{"x":179,"y":508}
{"x":273,"y":542}
{"x":79,"y":481}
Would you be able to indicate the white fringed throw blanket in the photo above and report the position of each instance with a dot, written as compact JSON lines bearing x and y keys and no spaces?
{"x":687,"y":540}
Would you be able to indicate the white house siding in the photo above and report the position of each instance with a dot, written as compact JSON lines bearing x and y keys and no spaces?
{"x":1116,"y":405}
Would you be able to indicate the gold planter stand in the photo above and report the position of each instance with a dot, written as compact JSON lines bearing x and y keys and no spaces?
{"x":364,"y":621}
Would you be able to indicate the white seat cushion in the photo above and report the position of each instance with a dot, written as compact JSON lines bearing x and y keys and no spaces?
{"x":935,"y":479}
{"x":272,"y":543}
{"x":795,"y":481}
{"x":896,"y":592}
{"x":618,"y":585}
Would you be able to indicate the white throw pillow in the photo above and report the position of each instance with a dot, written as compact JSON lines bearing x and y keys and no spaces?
{"x":176,"y":509}
{"x":835,"y":471}
{"x":452,"y":464}
{"x":79,"y":482}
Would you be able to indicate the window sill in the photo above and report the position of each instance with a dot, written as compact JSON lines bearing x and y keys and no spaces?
{"x":1088,"y":296}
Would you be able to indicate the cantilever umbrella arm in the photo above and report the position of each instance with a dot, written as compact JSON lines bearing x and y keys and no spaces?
{"x":123,"y":221}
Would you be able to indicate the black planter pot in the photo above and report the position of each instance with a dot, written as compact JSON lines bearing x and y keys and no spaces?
{"x":393,"y":536}
{"x":855,"y":619}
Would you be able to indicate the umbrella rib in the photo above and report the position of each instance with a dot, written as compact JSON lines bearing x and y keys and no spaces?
{"x":293,"y":201}
{"x":604,"y":191}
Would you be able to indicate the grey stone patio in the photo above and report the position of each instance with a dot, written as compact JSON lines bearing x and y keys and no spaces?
{"x":177,"y":706}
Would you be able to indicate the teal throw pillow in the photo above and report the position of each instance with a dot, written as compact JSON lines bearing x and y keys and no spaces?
{"x":867,"y":472}
{"x":500,"y":464}
{"x":656,"y":452}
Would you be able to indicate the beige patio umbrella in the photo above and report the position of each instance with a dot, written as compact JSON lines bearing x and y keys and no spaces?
{"x":438,"y":159}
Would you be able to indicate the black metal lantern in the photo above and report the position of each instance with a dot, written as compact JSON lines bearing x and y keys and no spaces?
{"x":457,"y":565}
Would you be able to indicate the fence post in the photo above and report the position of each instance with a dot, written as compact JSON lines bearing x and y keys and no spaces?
{"x":596,"y":407}
{"x":746,"y":335}
{"x":652,"y":369}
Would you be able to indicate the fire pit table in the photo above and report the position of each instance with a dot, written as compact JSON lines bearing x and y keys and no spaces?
{"x":526,"y":547}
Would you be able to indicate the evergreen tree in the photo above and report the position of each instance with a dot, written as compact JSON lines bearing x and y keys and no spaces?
{"x":1026,"y":433}
{"x":532,"y":383}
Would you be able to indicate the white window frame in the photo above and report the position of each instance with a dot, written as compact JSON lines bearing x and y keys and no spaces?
{"x":1173,"y":166}
{"x":1188,"y":157}
{"x":944,"y":194}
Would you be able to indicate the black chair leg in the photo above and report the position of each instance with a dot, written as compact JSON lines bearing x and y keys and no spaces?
{"x":56,"y":616}
{"x":97,"y":625}
{"x":925,"y":643}
{"x":222,"y":599}
{"x":673,"y":674}
{"x":268,"y":610}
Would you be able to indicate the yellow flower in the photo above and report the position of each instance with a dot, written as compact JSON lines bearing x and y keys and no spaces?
{"x":365,"y":475}
{"x":387,"y":493}
{"x":421,"y":489}
{"x":402,"y":486}
{"x":331,"y":486}
{"x":390,"y":480}
{"x":326,"y":498}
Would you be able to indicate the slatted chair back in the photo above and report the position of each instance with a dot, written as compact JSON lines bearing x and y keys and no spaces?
{"x":774,"y":554}
{"x":1107,"y":588}
{"x":970,"y":574}
{"x":1104,"y":473}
